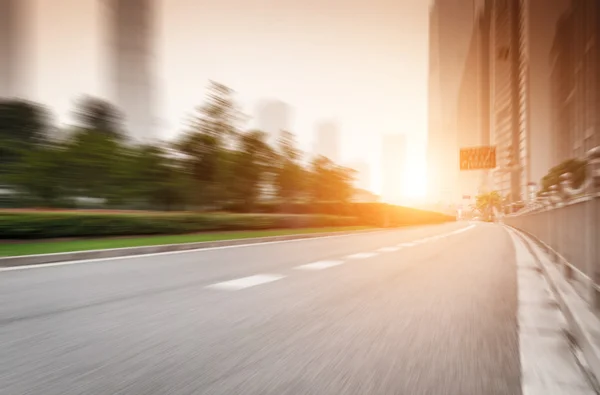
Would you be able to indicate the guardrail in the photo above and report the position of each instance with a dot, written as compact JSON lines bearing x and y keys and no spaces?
{"x":566,"y":221}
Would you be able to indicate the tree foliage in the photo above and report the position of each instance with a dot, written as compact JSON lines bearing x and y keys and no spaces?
{"x":576,"y":167}
{"x":214,"y":165}
{"x":23,"y":124}
{"x":330,"y":182}
{"x":99,"y":116}
{"x":486,"y":203}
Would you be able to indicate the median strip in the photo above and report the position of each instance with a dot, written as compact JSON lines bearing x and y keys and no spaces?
{"x":219,"y":241}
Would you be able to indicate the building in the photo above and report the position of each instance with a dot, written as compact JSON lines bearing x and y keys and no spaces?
{"x":505,"y":132}
{"x":563,"y":85}
{"x":13,"y":48}
{"x":393,"y":166}
{"x":328,"y":141}
{"x":132,"y":79}
{"x":450,"y":29}
{"x":473,"y":112}
{"x":521,"y":42}
{"x":273,"y":117}
{"x":505,"y":96}
{"x":538,"y":26}
{"x":575,"y":82}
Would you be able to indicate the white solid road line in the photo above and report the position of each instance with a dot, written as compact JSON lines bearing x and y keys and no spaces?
{"x":434,"y":238}
{"x":246,"y":282}
{"x":320,"y":265}
{"x":362,"y":255}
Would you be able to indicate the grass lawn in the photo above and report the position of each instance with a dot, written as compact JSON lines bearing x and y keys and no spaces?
{"x":50,"y":247}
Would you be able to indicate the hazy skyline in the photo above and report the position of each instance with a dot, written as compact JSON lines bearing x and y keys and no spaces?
{"x":360,"y":63}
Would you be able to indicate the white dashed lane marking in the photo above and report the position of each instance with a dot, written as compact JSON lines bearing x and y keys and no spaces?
{"x":320,"y":265}
{"x":406,"y":244}
{"x":246,"y":282}
{"x":362,"y":255}
{"x":388,"y":249}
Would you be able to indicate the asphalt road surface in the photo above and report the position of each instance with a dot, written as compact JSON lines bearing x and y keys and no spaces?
{"x":371,"y":313}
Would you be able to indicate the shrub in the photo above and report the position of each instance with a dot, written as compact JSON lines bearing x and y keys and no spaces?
{"x":55,"y":225}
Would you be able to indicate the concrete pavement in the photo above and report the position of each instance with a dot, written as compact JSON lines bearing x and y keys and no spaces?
{"x":429,"y":310}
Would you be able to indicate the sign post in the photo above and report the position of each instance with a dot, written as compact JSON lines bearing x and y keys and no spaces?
{"x":477,"y":158}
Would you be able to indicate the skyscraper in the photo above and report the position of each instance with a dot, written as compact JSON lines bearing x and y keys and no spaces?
{"x":131,"y":29}
{"x":563,"y":85}
{"x":576,"y":86}
{"x":450,"y":29}
{"x":473,"y":117}
{"x":328,"y":141}
{"x":13,"y":48}
{"x":521,"y":36}
{"x":273,"y":117}
{"x":538,"y":24}
{"x":393,"y":166}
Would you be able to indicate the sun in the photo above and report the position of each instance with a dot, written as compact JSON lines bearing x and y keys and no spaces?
{"x":415,"y":185}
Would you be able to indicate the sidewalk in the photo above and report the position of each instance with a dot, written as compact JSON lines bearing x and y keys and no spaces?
{"x":553,"y":360}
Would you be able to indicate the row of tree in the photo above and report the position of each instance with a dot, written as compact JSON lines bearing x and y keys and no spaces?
{"x":214,"y":165}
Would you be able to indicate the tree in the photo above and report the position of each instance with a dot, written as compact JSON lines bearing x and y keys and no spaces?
{"x":158,"y":180}
{"x":576,"y":167}
{"x":100,"y":116}
{"x":485,"y":203}
{"x":290,"y":179}
{"x":219,"y":115}
{"x":96,"y":162}
{"x":42,"y":175}
{"x":205,"y":145}
{"x":330,"y":182}
{"x":201,"y":164}
{"x":23,"y":125}
{"x":252,"y":165}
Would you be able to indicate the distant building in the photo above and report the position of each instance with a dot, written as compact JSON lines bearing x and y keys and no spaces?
{"x":132,"y":79}
{"x":273,"y":117}
{"x":13,"y":48}
{"x":328,"y":141}
{"x":393,"y":166}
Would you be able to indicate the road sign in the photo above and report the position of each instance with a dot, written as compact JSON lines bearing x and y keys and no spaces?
{"x":478,"y":158}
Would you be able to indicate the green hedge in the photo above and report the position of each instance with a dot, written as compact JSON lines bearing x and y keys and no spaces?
{"x":54,"y":225}
{"x":376,"y":214}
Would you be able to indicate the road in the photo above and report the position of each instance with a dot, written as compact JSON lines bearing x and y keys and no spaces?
{"x":428,"y":310}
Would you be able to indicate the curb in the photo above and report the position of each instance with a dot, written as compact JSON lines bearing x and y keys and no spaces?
{"x":41,"y":259}
{"x":583,"y":323}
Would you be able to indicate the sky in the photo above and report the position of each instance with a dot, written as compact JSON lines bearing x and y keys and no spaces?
{"x":361,"y":63}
